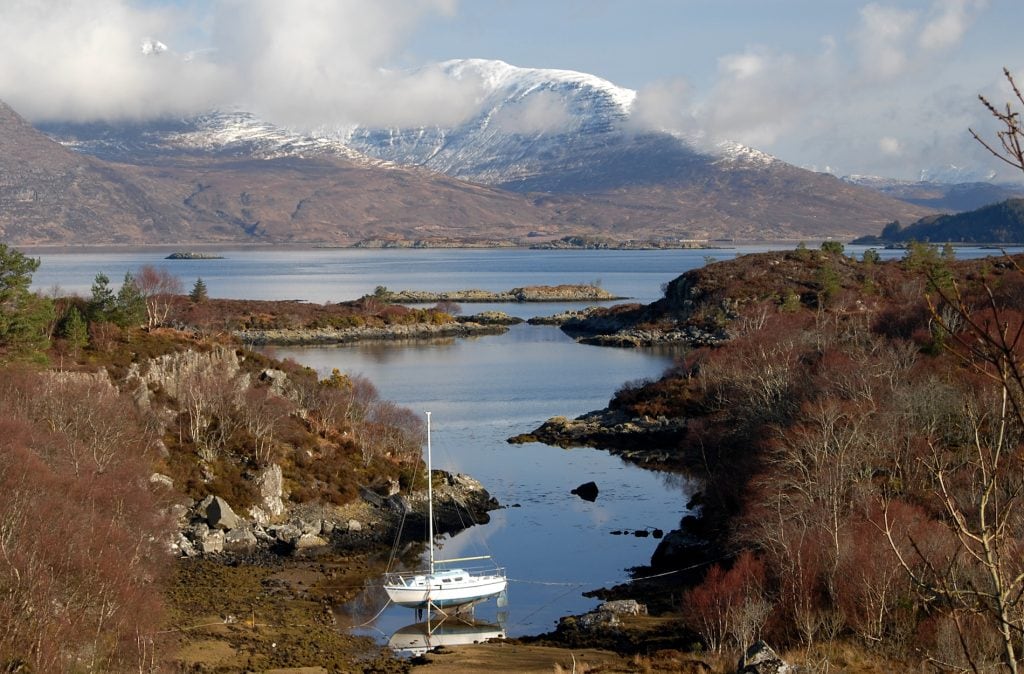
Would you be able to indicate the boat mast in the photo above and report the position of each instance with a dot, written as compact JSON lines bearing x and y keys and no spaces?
{"x":430,"y":500}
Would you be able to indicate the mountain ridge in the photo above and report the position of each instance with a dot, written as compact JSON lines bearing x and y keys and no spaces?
{"x":549,"y":154}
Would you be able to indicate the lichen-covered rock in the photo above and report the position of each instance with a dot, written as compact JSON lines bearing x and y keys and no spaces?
{"x":761,"y":659}
{"x":286,"y":533}
{"x":241,"y":539}
{"x":608,"y":616}
{"x":270,"y":483}
{"x":212,"y":543}
{"x":314,"y":526}
{"x":308,"y":541}
{"x":624,"y":607}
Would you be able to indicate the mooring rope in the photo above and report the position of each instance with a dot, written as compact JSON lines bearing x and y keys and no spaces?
{"x":383,"y":608}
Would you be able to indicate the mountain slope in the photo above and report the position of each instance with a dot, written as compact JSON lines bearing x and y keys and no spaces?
{"x":587,"y":142}
{"x":549,"y":152}
{"x":51,"y":194}
{"x":175,"y":192}
{"x":1000,"y":223}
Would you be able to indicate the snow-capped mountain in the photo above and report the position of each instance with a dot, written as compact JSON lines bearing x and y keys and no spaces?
{"x":569,"y":142}
{"x":544,"y":130}
{"x":222,"y":134}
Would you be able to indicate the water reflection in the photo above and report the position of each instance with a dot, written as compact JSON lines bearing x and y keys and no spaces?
{"x":454,"y":630}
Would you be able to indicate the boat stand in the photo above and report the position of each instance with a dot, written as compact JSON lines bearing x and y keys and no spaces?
{"x":463,"y":612}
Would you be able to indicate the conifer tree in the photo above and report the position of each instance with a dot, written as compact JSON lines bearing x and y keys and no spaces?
{"x":102,"y":304}
{"x":131,"y":304}
{"x":24,"y":315}
{"x":75,"y":330}
{"x":198,"y":293}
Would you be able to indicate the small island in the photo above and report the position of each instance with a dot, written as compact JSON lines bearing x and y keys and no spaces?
{"x":559,"y":293}
{"x":189,"y":255}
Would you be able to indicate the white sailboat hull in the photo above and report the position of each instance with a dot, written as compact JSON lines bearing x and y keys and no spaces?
{"x":443,"y":589}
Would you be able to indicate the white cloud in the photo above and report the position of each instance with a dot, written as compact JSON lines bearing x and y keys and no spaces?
{"x":742,"y":66}
{"x":867,"y":102}
{"x":81,"y":59}
{"x":949,"y":21}
{"x":540,"y":112}
{"x":665,"y":106}
{"x":882,"y":37}
{"x":761,"y":95}
{"x":303,"y":62}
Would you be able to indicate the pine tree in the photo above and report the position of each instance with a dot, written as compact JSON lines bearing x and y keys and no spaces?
{"x":75,"y":330}
{"x":102,"y":304}
{"x":198,"y":293}
{"x":24,"y":315}
{"x":131,"y":304}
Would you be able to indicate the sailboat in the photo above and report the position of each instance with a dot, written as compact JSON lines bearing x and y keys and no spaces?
{"x":439,"y":586}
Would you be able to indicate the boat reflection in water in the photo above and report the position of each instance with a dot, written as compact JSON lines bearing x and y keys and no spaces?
{"x":418,"y":638}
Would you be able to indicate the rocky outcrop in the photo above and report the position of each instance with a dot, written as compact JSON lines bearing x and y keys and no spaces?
{"x":211,"y":527}
{"x":609,"y":615}
{"x":174,"y":373}
{"x":491,"y":318}
{"x":604,"y":627}
{"x":642,"y":440}
{"x":459,"y":501}
{"x":219,"y":514}
{"x":559,"y":293}
{"x":633,"y":325}
{"x":270,"y":483}
{"x":295,"y":337}
{"x":563,"y":317}
{"x":761,"y":659}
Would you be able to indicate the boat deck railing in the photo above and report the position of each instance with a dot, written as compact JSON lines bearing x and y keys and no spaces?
{"x":477,"y":573}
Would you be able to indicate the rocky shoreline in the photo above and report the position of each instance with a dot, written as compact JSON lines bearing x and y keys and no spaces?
{"x":559,"y":293}
{"x":211,"y":527}
{"x":640,"y":440}
{"x":314,"y":336}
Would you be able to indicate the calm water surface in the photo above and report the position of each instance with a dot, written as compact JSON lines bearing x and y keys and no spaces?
{"x":481,"y":391}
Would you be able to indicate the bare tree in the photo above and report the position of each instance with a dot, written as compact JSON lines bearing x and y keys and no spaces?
{"x":159,"y":287}
{"x":980,"y":482}
{"x":261,"y":414}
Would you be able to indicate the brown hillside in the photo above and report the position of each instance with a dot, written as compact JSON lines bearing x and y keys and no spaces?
{"x":50,"y":194}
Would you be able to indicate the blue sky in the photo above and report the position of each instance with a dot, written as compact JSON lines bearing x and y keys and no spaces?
{"x":886,"y":87}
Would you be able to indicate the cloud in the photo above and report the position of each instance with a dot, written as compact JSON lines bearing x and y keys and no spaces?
{"x":762,"y":95}
{"x":304,"y":62}
{"x":881,"y":39}
{"x":666,"y":106}
{"x":864,"y":102}
{"x":83,"y":59}
{"x":540,"y":112}
{"x":949,"y":21}
{"x":309,"y":61}
{"x":893,"y":40}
